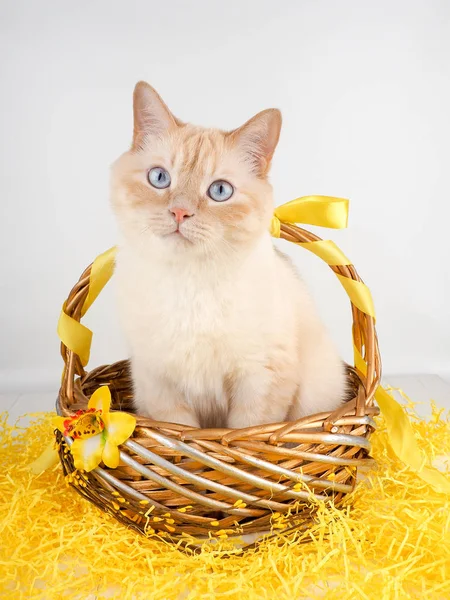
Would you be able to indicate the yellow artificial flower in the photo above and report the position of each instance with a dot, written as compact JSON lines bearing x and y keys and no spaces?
{"x":96,"y":432}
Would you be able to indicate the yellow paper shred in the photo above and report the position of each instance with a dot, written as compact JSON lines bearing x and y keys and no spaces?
{"x":390,"y":541}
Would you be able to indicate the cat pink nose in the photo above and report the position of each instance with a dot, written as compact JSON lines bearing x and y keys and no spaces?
{"x":180,"y":214}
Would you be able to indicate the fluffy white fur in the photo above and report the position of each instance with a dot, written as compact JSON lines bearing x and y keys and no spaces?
{"x":221,"y":330}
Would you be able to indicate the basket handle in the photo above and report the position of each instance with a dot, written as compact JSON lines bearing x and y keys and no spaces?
{"x":75,"y":336}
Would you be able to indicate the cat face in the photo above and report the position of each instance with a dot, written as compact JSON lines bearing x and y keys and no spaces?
{"x":191,"y":189}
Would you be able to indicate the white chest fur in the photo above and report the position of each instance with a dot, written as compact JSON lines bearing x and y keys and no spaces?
{"x":194,"y":322}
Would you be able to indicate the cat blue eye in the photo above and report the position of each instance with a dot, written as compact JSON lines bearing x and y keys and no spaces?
{"x":159,"y":178}
{"x":219,"y":191}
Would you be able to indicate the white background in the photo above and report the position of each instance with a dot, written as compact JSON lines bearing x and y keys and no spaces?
{"x":364,"y":88}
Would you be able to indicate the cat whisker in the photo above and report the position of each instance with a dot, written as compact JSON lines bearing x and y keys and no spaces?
{"x":144,"y":230}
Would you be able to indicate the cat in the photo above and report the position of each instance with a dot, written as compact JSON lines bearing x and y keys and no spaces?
{"x":221,"y":329}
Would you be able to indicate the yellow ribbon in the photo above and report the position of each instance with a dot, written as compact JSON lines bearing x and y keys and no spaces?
{"x":359,"y":294}
{"x":73,"y":334}
{"x":327,"y":251}
{"x":323,"y":211}
{"x":401,"y":435}
{"x":101,"y":273}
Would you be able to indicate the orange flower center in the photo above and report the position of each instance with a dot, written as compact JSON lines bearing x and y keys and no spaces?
{"x":84,"y":425}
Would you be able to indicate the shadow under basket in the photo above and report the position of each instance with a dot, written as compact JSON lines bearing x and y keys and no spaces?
{"x":180,"y":482}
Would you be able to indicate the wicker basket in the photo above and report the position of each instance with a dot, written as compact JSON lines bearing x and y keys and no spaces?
{"x":180,"y":482}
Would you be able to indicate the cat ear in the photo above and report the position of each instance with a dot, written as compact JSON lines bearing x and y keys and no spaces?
{"x":258,"y":139}
{"x":151,"y":115}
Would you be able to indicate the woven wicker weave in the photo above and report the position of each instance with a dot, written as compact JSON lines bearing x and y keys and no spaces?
{"x":176,"y":480}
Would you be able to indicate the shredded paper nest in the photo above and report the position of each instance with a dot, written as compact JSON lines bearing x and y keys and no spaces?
{"x":390,"y":540}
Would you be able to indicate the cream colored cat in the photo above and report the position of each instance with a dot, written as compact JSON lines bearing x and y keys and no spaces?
{"x":221,"y":330}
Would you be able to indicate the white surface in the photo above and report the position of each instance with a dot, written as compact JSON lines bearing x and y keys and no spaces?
{"x":364,"y":88}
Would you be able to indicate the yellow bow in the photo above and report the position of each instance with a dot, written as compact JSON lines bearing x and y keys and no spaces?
{"x":323,"y":211}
